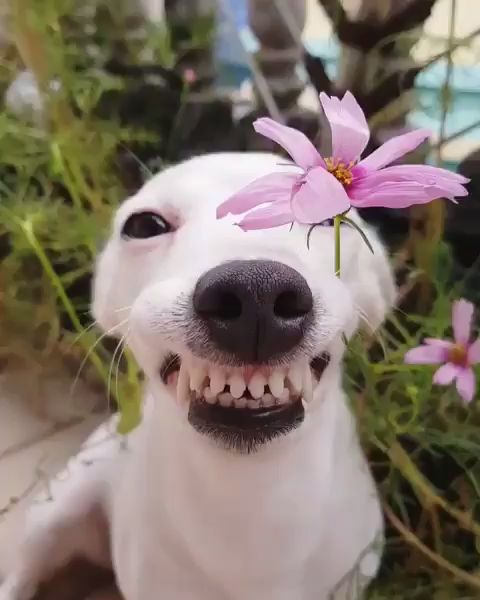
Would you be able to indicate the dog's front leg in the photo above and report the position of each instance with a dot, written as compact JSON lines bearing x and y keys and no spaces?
{"x":57,"y":531}
{"x":69,"y":522}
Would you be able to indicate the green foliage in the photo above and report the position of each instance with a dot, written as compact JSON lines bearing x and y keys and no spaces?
{"x":59,"y":185}
{"x":424,"y":449}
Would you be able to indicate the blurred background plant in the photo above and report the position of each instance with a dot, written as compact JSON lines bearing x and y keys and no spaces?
{"x":98,"y":97}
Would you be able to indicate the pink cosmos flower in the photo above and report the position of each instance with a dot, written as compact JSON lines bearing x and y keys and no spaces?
{"x":189,"y":76}
{"x":326,"y":187}
{"x":457,"y":356}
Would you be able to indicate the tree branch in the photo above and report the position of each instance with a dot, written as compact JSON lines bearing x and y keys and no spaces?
{"x":457,"y":134}
{"x":388,"y":90}
{"x":334,"y":11}
{"x":365,"y":35}
{"x":317,"y":73}
{"x":413,"y":15}
{"x":399,"y":82}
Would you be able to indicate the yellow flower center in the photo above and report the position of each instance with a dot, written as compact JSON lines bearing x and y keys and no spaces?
{"x":340,"y":170}
{"x":457,"y":355}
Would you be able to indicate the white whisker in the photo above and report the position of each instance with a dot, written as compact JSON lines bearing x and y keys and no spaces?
{"x":123,"y":308}
{"x":122,"y":353}
{"x":89,"y":352}
{"x":118,"y":347}
{"x":82,"y":333}
{"x":373,"y":331}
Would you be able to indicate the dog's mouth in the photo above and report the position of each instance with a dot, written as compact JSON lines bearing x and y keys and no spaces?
{"x":243,"y":407}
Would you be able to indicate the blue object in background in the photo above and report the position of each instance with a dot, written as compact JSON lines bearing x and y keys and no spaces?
{"x":232,"y":43}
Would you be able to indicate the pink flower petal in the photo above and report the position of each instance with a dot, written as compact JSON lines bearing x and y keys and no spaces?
{"x":393,"y":195}
{"x":449,"y":184}
{"x":270,"y":188}
{"x":394,"y":149}
{"x":445,"y":344}
{"x":353,"y":108}
{"x":474,"y":353}
{"x":426,"y":355}
{"x":321,"y":197}
{"x":404,"y":185}
{"x":274,"y":215}
{"x":466,"y":384}
{"x":430,"y":179}
{"x":293,"y":141}
{"x":446,"y":374}
{"x":428,"y":172}
{"x":350,"y":132}
{"x":462,"y":314}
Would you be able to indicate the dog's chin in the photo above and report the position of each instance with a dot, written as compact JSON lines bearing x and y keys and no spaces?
{"x":242,"y":408}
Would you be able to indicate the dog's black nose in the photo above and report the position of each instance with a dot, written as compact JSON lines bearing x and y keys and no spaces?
{"x":255,"y":310}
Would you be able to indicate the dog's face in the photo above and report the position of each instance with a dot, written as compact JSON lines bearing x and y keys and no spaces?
{"x":237,"y":328}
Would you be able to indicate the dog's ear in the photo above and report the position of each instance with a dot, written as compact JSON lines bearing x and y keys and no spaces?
{"x":369,"y":277}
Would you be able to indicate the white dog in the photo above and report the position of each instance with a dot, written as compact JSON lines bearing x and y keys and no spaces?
{"x":245,"y":480}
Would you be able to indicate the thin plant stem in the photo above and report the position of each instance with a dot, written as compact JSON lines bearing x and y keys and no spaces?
{"x":336,"y":227}
{"x":457,"y":134}
{"x":428,"y":221}
{"x":57,"y":284}
{"x":72,"y":188}
{"x":440,"y":561}
{"x":425,"y":491}
{"x":29,"y":43}
{"x":446,"y":90}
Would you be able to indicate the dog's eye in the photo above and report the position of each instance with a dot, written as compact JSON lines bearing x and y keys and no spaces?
{"x":329,"y":223}
{"x":144,"y":225}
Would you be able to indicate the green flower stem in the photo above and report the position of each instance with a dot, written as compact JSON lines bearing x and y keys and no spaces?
{"x":336,"y":226}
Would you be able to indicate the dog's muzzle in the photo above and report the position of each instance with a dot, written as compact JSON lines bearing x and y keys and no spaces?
{"x":243,"y":386}
{"x":253,"y":310}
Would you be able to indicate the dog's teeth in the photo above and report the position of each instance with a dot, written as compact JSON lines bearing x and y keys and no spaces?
{"x":240,"y":402}
{"x":284,"y":397}
{"x":183,"y":384}
{"x":209,"y":396}
{"x":237,"y":385}
{"x":217,"y":381}
{"x":197,"y":377}
{"x":257,"y":385}
{"x":281,"y":389}
{"x":275,"y":383}
{"x":268,"y":399}
{"x":225,"y":399}
{"x":295,"y":377}
{"x":307,"y":384}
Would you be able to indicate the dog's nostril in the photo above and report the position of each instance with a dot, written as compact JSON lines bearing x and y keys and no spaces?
{"x":254,"y":310}
{"x":291,"y":305}
{"x":218,"y":304}
{"x":229,"y":306}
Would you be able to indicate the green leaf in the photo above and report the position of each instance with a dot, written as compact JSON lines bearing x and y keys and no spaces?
{"x":352,"y":223}
{"x":130,"y":409}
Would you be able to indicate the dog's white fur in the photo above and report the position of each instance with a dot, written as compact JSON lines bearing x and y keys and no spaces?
{"x":186,"y":519}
